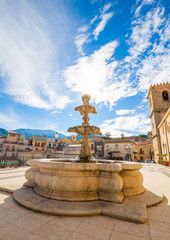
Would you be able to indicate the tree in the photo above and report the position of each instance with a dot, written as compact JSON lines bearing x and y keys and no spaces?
{"x":107,"y":135}
{"x":122,"y":136}
{"x":143,"y":136}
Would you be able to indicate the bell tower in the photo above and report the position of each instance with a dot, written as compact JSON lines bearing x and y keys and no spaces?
{"x":159,"y":102}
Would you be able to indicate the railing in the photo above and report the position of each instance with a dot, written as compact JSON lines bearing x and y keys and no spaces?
{"x":141,"y":152}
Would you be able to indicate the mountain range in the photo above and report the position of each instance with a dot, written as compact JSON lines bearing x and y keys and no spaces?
{"x":3,"y":132}
{"x":33,"y":132}
{"x":37,"y":132}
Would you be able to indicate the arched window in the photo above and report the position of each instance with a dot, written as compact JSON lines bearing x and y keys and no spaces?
{"x":165,"y":95}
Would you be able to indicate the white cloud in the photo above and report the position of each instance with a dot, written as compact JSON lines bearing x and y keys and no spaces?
{"x":83,"y":29}
{"x":126,"y":125}
{"x":149,"y":58}
{"x":143,"y":29}
{"x":144,"y":2}
{"x":84,"y":37}
{"x":154,"y":69}
{"x":147,"y":63}
{"x":106,"y":7}
{"x":124,"y":112}
{"x":80,"y":40}
{"x":93,"y":20}
{"x":55,"y":112}
{"x":27,"y":55}
{"x":93,"y":1}
{"x":94,"y":74}
{"x":100,"y":27}
{"x":70,"y":114}
{"x":145,"y":100}
{"x":10,"y":120}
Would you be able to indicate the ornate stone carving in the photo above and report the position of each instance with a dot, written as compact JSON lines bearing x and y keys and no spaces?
{"x":85,"y":130}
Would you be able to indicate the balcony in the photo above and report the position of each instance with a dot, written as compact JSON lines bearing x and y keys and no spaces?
{"x":141,"y":152}
{"x":9,"y":150}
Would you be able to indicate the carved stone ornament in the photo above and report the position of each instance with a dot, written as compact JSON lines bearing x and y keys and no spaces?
{"x":85,"y":129}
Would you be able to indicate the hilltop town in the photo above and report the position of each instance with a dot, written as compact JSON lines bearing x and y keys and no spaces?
{"x":153,"y":147}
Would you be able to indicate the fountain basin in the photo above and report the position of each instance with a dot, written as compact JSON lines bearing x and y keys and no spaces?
{"x":70,"y":181}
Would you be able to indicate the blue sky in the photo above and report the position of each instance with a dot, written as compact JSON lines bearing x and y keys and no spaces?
{"x":53,"y":51}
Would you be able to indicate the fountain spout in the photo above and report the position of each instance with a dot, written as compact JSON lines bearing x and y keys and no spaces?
{"x":85,"y":129}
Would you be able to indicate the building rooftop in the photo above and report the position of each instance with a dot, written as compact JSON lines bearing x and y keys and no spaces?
{"x":13,"y":132}
{"x":11,"y":142}
{"x":145,"y":143}
{"x":118,"y":140}
{"x":159,"y":85}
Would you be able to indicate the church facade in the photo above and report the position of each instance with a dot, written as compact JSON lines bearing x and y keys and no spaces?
{"x":159,"y":103}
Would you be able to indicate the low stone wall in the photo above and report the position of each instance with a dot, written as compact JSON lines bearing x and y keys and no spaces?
{"x":70,"y":181}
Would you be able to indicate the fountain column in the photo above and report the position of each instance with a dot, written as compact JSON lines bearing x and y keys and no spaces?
{"x":85,"y":129}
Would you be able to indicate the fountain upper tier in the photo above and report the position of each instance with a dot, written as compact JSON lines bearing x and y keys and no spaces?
{"x":85,"y":129}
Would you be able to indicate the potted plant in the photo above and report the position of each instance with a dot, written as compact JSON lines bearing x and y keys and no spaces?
{"x":162,"y":158}
{"x":166,"y":162}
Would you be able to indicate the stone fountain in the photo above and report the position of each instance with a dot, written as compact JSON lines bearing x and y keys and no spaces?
{"x":85,"y":129}
{"x":65,"y":187}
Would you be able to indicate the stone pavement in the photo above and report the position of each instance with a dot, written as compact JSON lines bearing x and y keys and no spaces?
{"x":12,"y":178}
{"x":18,"y":223}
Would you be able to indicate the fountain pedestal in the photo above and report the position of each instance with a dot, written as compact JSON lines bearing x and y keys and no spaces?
{"x":84,"y":182}
{"x":77,"y":189}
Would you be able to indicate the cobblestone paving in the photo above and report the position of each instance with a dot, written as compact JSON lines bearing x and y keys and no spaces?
{"x":18,"y":223}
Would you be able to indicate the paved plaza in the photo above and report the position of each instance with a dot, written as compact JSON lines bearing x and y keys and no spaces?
{"x":18,"y":223}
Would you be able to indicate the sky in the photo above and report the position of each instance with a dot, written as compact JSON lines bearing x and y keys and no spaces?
{"x":54,"y":51}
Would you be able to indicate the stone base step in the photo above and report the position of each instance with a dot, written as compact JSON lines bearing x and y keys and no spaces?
{"x":132,"y":209}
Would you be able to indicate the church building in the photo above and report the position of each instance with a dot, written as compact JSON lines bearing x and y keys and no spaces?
{"x":159,"y":103}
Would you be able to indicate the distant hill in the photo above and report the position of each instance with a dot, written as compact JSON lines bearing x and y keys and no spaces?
{"x":3,"y":132}
{"x":41,"y":133}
